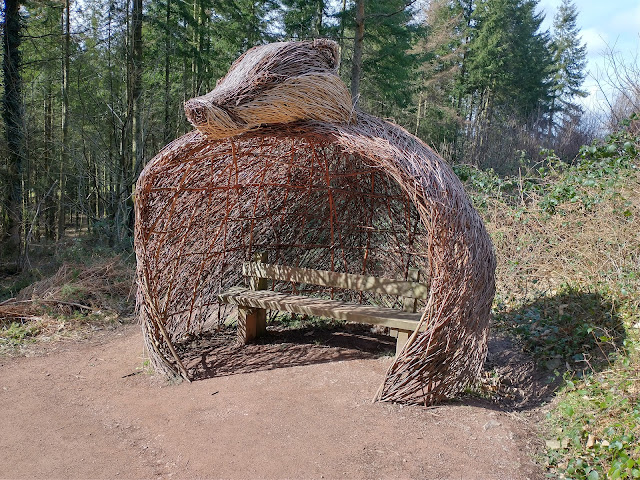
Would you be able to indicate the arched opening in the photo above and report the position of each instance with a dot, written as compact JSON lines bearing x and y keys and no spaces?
{"x":301,"y":199}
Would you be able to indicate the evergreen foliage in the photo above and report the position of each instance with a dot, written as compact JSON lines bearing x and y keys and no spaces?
{"x":441,"y":51}
{"x":569,"y":62}
{"x":13,"y":117}
{"x":388,"y":61}
{"x":303,"y":19}
{"x":508,"y":60}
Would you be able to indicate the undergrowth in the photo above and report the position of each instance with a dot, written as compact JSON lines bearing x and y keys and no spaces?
{"x":79,"y":290}
{"x":568,"y":287}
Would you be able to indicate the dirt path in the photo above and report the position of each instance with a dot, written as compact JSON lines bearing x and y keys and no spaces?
{"x":76,"y":412}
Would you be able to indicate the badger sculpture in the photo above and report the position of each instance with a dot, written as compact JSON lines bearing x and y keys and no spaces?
{"x":275,"y":83}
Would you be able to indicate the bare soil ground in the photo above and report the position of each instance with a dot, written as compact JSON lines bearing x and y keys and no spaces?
{"x":298,"y":405}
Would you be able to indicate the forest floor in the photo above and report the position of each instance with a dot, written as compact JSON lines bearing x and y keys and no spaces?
{"x":297,"y":405}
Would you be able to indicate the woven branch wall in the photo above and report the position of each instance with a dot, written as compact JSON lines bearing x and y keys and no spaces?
{"x":361,"y":197}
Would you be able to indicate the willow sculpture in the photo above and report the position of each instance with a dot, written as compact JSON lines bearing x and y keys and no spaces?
{"x":281,"y":163}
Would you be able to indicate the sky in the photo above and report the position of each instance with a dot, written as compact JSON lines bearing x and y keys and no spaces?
{"x":605,"y":25}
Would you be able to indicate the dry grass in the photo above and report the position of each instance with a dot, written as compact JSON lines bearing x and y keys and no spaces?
{"x":568,"y":286}
{"x":108,"y":283}
{"x":538,"y":253}
{"x":78,"y":299}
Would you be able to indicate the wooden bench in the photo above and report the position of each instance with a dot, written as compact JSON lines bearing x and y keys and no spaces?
{"x":253,"y":302}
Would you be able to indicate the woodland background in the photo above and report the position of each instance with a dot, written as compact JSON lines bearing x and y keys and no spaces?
{"x":93,"y":89}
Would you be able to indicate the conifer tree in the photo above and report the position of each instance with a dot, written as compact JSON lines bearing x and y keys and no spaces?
{"x":382,"y":60}
{"x":358,"y":46}
{"x":505,"y":80}
{"x":508,"y":57}
{"x":569,"y":62}
{"x":242,"y":24}
{"x":303,"y":19}
{"x":137,"y":148}
{"x":66,"y":143}
{"x":441,"y":55}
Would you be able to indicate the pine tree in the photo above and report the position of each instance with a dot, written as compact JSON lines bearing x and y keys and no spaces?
{"x":242,"y":24}
{"x":169,"y":77}
{"x":381,"y":58}
{"x":569,"y":62}
{"x":508,"y":57}
{"x":505,"y":80}
{"x":137,"y":145}
{"x":41,"y":99}
{"x":66,"y":144}
{"x":358,"y":45}
{"x":303,"y":19}
{"x":441,"y":54}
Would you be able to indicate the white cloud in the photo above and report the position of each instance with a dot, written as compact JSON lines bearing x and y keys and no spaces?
{"x":596,"y":40}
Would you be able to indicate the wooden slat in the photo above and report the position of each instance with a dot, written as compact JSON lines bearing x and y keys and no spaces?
{"x":409,"y":303}
{"x":350,"y":312}
{"x":257,"y":283}
{"x":247,"y":325}
{"x":402,"y":339}
{"x":347,"y":281}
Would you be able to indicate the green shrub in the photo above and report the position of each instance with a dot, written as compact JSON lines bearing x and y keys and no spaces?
{"x":17,"y":332}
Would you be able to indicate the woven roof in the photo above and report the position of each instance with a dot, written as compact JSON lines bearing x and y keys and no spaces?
{"x":364,"y":197}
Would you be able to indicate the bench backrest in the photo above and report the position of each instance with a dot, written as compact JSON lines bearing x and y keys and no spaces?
{"x":362,"y":283}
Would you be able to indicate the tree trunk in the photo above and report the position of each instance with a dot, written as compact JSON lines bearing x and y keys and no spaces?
{"x":136,"y":88}
{"x":112,"y":179}
{"x":196,"y":52}
{"x":356,"y":66}
{"x":50,"y":207}
{"x":137,"y":153}
{"x":418,"y":114}
{"x":317,"y":28}
{"x":64,"y":156}
{"x":341,"y":38}
{"x":13,"y":113}
{"x":167,"y":77}
{"x":202,"y":22}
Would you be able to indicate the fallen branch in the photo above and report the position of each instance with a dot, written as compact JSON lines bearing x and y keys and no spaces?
{"x":7,"y":301}
{"x":13,"y":301}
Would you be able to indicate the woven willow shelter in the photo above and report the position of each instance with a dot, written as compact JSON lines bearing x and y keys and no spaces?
{"x":313,"y":184}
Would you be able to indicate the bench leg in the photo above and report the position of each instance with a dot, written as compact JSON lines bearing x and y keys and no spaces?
{"x":261,"y":322}
{"x":403,"y":337}
{"x":246,"y":325}
{"x":252,"y":323}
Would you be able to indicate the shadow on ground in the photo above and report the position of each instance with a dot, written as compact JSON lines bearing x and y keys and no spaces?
{"x":216,"y":355}
{"x":534,"y":348}
{"x":531,"y":349}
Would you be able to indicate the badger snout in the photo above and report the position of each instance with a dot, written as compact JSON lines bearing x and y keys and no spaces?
{"x":212,"y":120}
{"x":196,"y":113}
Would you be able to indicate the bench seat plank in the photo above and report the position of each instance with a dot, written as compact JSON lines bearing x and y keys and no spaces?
{"x":347,"y":311}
